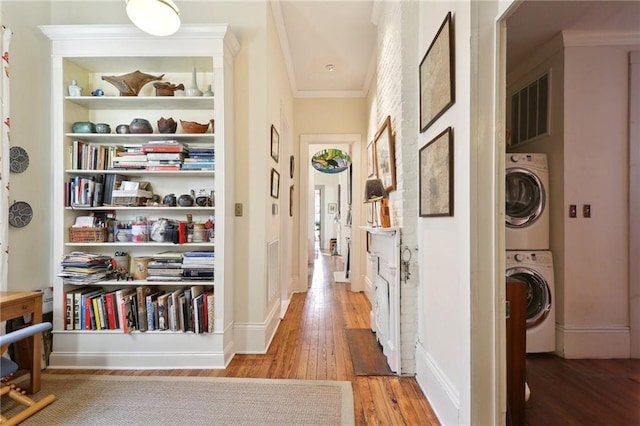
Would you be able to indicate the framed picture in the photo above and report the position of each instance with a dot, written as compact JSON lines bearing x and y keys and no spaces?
{"x":436,"y":176}
{"x":292,"y":166}
{"x":291,"y":201}
{"x":371,"y":160}
{"x":437,"y":85}
{"x":275,"y":183}
{"x":385,"y":158}
{"x":275,"y":143}
{"x":332,"y":208}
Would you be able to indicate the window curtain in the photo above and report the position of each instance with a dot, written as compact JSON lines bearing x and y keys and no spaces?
{"x":4,"y":160}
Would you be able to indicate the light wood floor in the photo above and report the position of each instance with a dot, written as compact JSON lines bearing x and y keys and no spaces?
{"x":310,"y":344}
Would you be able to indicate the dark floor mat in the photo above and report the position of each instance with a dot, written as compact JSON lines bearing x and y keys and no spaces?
{"x":366,"y":353}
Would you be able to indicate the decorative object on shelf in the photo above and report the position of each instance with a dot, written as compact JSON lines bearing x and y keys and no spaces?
{"x":437,"y":72}
{"x":185,"y":200}
{"x":165,"y":88}
{"x":20,"y":214}
{"x":193,"y":127}
{"x":373,"y":192}
{"x":167,"y":125}
{"x":331,"y":161}
{"x":208,"y":92}
{"x":130,"y":84}
{"x":83,"y":127}
{"x":103,"y":128}
{"x":435,"y":181}
{"x":275,"y":143}
{"x":140,"y":125}
{"x":74,"y":89}
{"x":193,"y":89}
{"x":169,"y":200}
{"x":178,"y":93}
{"x":385,"y":155}
{"x":202,"y":197}
{"x":18,"y":159}
{"x":123,"y":129}
{"x":275,"y":183}
{"x":155,"y":17}
{"x":97,"y":92}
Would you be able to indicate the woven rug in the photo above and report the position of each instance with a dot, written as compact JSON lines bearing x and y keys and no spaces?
{"x":129,"y":400}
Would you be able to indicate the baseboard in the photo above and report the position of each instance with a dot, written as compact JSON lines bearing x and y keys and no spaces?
{"x":441,"y":394}
{"x":255,"y":338}
{"x":593,"y":341}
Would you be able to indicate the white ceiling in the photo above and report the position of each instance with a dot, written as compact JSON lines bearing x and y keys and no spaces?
{"x":316,"y":33}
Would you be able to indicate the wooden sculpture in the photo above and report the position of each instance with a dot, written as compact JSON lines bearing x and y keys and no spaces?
{"x":130,"y":84}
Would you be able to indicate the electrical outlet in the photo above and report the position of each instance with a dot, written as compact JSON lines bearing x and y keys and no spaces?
{"x":586,"y":210}
{"x":573,"y":211}
{"x":238,"y":209}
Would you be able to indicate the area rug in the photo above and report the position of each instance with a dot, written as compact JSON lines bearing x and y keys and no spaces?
{"x":134,"y":400}
{"x":366,"y":353}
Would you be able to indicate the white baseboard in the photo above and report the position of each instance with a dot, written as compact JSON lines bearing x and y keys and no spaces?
{"x":255,"y":338}
{"x":441,"y":394}
{"x":593,"y":341}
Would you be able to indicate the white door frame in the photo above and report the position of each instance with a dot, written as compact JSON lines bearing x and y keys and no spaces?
{"x":306,"y":204}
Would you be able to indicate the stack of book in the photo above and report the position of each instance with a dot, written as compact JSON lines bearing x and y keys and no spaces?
{"x":201,"y":158}
{"x":198,"y":266}
{"x":166,"y":266}
{"x":132,"y":157}
{"x":84,"y":268}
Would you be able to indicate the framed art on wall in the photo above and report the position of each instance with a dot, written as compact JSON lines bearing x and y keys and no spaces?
{"x":437,"y":85}
{"x":275,"y":183}
{"x":275,"y":143}
{"x":436,"y":176}
{"x":385,"y":158}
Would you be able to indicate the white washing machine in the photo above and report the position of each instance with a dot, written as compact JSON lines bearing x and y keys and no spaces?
{"x":527,"y":202}
{"x":536,"y":269}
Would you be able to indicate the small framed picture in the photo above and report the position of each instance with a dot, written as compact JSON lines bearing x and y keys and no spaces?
{"x":275,"y":183}
{"x":332,"y":208}
{"x":436,"y":176}
{"x":275,"y":143}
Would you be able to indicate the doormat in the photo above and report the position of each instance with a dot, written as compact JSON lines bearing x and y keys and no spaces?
{"x":366,"y":353}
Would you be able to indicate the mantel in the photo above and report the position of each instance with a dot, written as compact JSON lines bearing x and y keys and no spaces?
{"x":379,"y":230}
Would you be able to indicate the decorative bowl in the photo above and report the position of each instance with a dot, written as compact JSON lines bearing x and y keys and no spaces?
{"x":130,"y":84}
{"x":193,"y":127}
{"x":103,"y":128}
{"x":166,"y":88}
{"x":167,"y":125}
{"x":83,"y":127}
{"x":140,"y":125}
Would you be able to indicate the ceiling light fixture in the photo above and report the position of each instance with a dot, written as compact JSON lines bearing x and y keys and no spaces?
{"x":330,"y":67}
{"x":155,"y":17}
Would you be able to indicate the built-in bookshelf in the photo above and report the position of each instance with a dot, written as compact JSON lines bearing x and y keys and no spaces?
{"x":135,"y":200}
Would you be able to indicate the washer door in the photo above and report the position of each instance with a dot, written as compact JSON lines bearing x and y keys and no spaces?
{"x":525,"y":197}
{"x":538,"y":294}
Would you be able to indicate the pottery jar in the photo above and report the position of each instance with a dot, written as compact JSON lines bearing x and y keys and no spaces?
{"x":140,"y":125}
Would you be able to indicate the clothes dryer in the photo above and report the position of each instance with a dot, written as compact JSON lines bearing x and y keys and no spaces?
{"x":527,"y":202}
{"x":536,"y":269}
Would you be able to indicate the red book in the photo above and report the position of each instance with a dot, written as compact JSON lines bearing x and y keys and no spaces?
{"x":112,"y":317}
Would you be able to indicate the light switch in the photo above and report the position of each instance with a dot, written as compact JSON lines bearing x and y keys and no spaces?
{"x":573,"y":212}
{"x":238,"y":209}
{"x":586,"y":210}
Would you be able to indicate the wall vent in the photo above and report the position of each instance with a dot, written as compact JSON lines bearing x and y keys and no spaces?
{"x":530,"y":111}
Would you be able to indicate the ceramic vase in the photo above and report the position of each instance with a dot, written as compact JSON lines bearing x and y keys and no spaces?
{"x":193,"y":89}
{"x":208,"y":92}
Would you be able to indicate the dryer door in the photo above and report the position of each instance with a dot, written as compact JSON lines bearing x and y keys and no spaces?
{"x":525,"y":197}
{"x":538,"y":294}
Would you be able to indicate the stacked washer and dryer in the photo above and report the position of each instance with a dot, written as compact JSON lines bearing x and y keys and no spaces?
{"x":527,"y":239}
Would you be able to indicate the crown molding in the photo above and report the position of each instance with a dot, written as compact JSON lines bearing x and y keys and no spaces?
{"x":573,"y":38}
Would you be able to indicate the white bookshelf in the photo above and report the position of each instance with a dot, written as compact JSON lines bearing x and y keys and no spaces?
{"x":85,"y":53}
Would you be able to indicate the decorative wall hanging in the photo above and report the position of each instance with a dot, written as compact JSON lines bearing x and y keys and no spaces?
{"x":20,"y":214}
{"x":436,"y":176}
{"x":331,"y":160}
{"x":275,"y":183}
{"x":275,"y":143}
{"x":19,"y":159}
{"x":437,"y":85}
{"x":385,"y":157}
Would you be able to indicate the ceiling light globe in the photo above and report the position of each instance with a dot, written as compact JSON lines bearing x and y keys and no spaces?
{"x":155,"y":17}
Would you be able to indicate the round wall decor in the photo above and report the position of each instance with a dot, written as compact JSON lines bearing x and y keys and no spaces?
{"x":20,"y":214}
{"x":331,"y":160}
{"x":18,"y":159}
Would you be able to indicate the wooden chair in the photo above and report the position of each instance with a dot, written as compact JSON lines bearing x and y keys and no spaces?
{"x":8,"y":367}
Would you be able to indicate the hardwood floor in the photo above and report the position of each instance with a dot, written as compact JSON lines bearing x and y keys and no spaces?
{"x":310,"y":344}
{"x":583,"y":391}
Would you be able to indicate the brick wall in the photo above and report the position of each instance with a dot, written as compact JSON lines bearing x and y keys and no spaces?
{"x":397,"y":95}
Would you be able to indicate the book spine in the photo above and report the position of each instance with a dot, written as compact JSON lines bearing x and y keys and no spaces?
{"x":111,"y":312}
{"x":210,"y":312}
{"x":68,"y":308}
{"x":77,"y":311}
{"x":96,"y":312}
